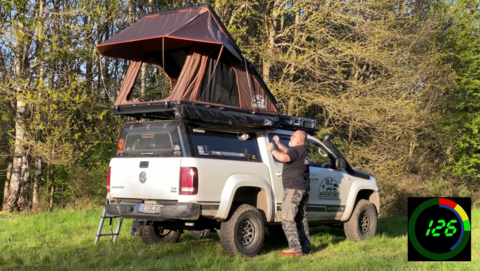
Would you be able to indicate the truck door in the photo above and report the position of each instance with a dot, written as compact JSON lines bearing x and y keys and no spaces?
{"x":329,"y":187}
{"x":277,"y":168}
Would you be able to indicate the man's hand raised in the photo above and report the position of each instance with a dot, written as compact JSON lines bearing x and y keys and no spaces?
{"x":276,"y":139}
{"x":271,"y":147}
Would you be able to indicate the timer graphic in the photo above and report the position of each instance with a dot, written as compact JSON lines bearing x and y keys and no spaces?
{"x":439,"y":229}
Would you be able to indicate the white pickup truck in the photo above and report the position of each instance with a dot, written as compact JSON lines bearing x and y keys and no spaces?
{"x":170,"y":176}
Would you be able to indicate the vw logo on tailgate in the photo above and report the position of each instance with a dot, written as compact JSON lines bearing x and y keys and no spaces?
{"x":142,"y":177}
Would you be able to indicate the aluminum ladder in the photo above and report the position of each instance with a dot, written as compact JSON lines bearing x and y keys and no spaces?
{"x":100,"y":226}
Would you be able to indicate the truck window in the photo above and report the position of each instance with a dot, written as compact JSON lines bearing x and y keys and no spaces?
{"x":225,"y":145}
{"x":284,"y":139}
{"x":149,"y":139}
{"x":318,"y":158}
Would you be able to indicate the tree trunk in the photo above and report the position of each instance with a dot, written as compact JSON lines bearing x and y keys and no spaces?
{"x":40,"y":85}
{"x":266,"y":70}
{"x":24,"y":203}
{"x":36,"y":185}
{"x":7,"y":185}
{"x":89,"y":62}
{"x":142,"y":88}
{"x":17,"y":189}
{"x":106,"y":72}
{"x":130,"y":12}
{"x":267,"y":63}
{"x":52,"y":188}
{"x":291,"y":105}
{"x":271,"y":32}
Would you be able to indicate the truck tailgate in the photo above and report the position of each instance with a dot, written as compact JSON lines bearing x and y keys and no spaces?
{"x":145,"y":178}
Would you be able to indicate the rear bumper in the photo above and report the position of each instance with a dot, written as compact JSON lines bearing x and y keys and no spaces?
{"x":179,"y":211}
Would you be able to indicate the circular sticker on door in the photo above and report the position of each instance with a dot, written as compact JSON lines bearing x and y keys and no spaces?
{"x":328,"y":189}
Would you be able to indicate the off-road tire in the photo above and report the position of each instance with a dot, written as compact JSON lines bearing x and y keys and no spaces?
{"x":200,"y":234}
{"x":243,"y":232}
{"x":362,"y":225}
{"x":153,"y":235}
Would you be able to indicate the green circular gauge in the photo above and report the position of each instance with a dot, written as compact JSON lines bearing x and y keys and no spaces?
{"x":439,"y":229}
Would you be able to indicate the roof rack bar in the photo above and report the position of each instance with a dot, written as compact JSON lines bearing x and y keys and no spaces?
{"x":219,"y":116}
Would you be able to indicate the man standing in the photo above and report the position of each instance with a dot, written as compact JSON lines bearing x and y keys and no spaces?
{"x":296,"y":185}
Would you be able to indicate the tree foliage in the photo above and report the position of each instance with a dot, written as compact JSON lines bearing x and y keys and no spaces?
{"x":396,"y":81}
{"x":461,"y":114}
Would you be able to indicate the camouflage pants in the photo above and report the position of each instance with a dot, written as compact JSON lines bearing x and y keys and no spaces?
{"x":294,"y":220}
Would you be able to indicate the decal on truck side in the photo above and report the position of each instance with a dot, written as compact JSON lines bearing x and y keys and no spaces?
{"x":328,"y":189}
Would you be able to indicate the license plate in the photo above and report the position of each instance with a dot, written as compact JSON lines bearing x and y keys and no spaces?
{"x":149,"y":208}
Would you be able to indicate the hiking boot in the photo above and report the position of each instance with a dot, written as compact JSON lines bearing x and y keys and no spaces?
{"x":290,"y":252}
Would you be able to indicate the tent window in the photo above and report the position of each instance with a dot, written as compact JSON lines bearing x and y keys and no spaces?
{"x":156,"y":84}
{"x":221,"y":88}
{"x":174,"y":60}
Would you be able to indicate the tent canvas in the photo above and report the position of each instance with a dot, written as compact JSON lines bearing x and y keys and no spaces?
{"x":203,"y":63}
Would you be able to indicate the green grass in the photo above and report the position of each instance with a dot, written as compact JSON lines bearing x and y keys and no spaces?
{"x":63,"y":240}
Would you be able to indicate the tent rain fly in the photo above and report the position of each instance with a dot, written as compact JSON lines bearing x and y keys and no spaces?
{"x":202,"y":62}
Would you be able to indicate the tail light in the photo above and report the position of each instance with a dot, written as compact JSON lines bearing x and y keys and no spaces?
{"x":188,"y":181}
{"x":108,"y":180}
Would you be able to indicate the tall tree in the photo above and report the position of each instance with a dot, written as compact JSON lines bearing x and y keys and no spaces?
{"x":20,"y":31}
{"x":40,"y":75}
{"x":461,"y":117}
{"x":56,"y":112}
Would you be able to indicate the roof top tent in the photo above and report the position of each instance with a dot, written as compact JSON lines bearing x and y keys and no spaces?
{"x":210,"y":80}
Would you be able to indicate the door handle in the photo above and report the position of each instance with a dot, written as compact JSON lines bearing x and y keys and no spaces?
{"x":279,"y":174}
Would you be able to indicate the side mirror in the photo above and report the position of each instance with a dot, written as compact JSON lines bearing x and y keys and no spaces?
{"x":340,"y":164}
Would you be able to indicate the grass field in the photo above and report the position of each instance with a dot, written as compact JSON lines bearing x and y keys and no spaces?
{"x":63,"y":240}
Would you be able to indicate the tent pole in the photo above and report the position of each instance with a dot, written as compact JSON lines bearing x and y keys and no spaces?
{"x":163,"y":53}
{"x":248,"y":78}
{"x":163,"y":64}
